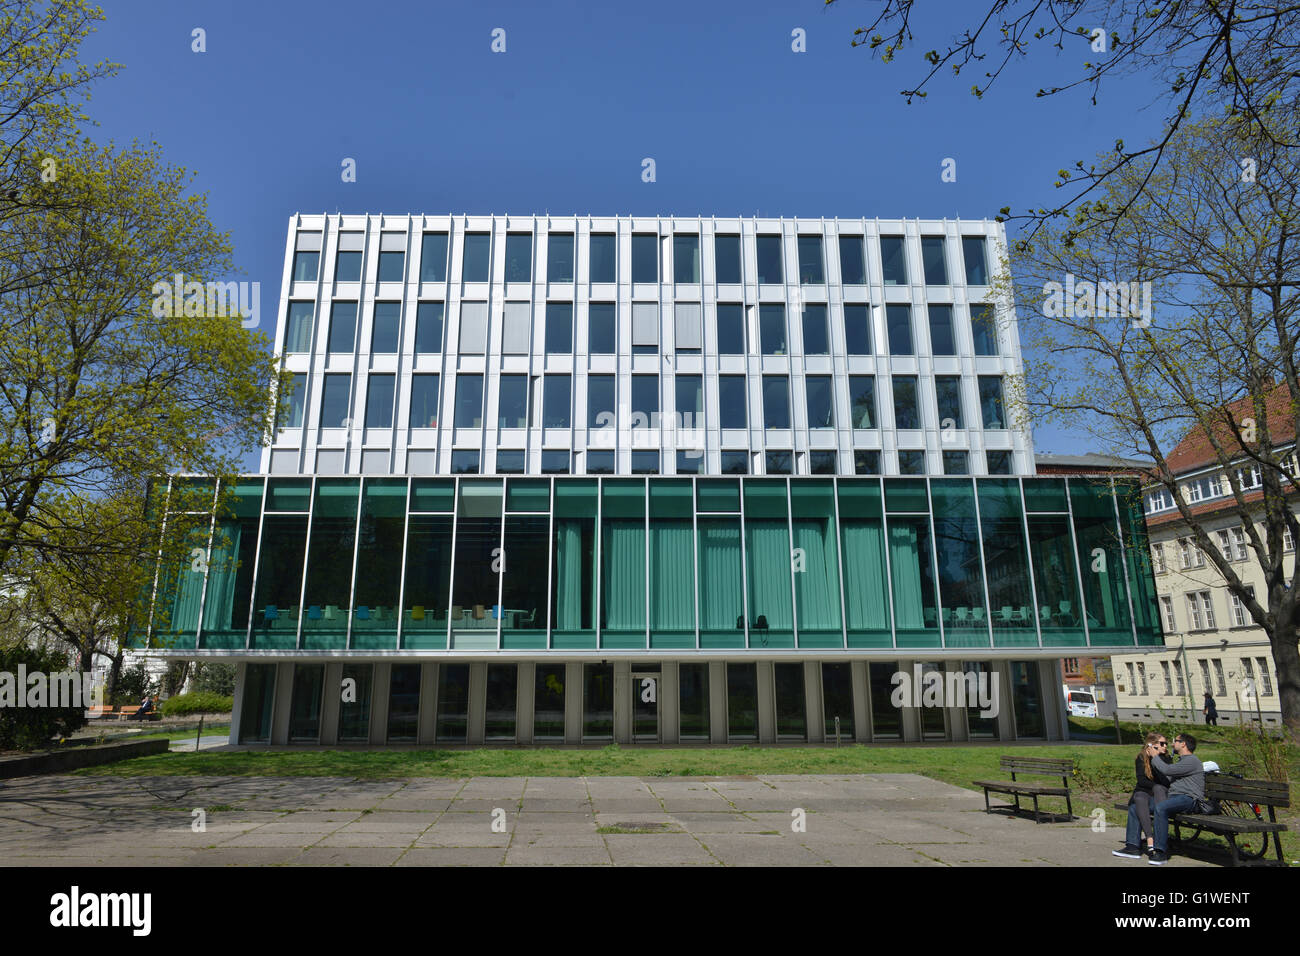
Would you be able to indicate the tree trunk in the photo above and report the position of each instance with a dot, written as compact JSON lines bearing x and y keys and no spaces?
{"x":1286,"y":660}
{"x":114,"y":673}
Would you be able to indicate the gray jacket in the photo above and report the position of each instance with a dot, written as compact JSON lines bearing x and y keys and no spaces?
{"x":1186,"y":777}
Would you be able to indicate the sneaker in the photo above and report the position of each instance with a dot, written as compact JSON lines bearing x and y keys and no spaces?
{"x":1158,"y":858}
{"x":1130,"y":852}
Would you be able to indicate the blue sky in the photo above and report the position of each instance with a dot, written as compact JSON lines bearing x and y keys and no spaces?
{"x":736,"y":122}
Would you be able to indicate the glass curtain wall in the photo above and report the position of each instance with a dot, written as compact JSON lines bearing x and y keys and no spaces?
{"x":230,"y":570}
{"x":672,"y":565}
{"x":623,"y":564}
{"x":911,"y":561}
{"x":768,"y":564}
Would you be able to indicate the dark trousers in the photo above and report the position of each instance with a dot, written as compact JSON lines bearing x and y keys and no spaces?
{"x":1143,"y":802}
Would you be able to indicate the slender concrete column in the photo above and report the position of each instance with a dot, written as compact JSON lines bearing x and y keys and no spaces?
{"x":958,"y":729}
{"x":1006,"y":706}
{"x":766,"y":702}
{"x":477,"y":721}
{"x":1052,"y":683}
{"x":911,"y":715}
{"x":815,"y":711}
{"x":379,"y":703}
{"x":718,"y":702}
{"x":526,"y":684}
{"x":861,"y":702}
{"x":331,"y":699}
{"x":237,"y":710}
{"x":573,"y":703}
{"x":669,"y":691}
{"x":624,"y":689}
{"x":428,"y":720}
{"x":283,"y":703}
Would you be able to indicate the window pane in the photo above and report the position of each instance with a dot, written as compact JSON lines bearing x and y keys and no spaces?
{"x":780,"y":463}
{"x":347,"y":267}
{"x":742,"y":700}
{"x":433,"y":257}
{"x":769,"y":259}
{"x":477,"y":262}
{"x":911,"y":462}
{"x":645,"y":258}
{"x":379,"y":401}
{"x":403,"y":702}
{"x":791,"y":721}
{"x":733,"y":401}
{"x":690,"y":401}
{"x":688,"y":463}
{"x":942,"y":341}
{"x":999,"y":462}
{"x":821,"y":405}
{"x":907,"y":410}
{"x":378,"y":574}
{"x":645,"y":400}
{"x":428,"y":579}
{"x":519,"y":257}
{"x":515,"y":329}
{"x":731,"y":330}
{"x":465,"y":462}
{"x":837,"y":700}
{"x":853,"y":269}
{"x":598,"y":700}
{"x":469,"y":401}
{"x":866,"y":462}
{"x":822,"y":462}
{"x":1011,"y":602}
{"x":991,"y":402}
{"x":932,"y":257}
{"x":735,"y":463}
{"x":555,"y":401}
{"x":726,"y":249}
{"x":512,"y":402}
{"x":857,"y":329}
{"x":354,"y":714}
{"x":523,"y":590}
{"x":947,"y":392}
{"x":559,"y":328}
{"x":473,"y":328}
{"x":297,"y":336}
{"x":893,"y":260}
{"x":387,"y":331}
{"x":984,"y":328}
{"x":601,"y":327}
{"x":693,"y":686}
{"x":776,"y":402}
{"x":688,"y":327}
{"x":862,"y":400}
{"x":645,"y":462}
{"x":961,"y":583}
{"x":343,"y":326}
{"x":601,"y":406}
{"x":391,"y":265}
{"x":972,"y":250}
{"x":510,"y":461}
{"x":428,"y":328}
{"x":559,"y":257}
{"x":334,"y":400}
{"x":912,"y":567}
{"x":771,"y":329}
{"x":297,"y":400}
{"x":548,"y":702}
{"x":555,"y":462}
{"x":645,"y":324}
{"x":686,"y":259}
{"x":306,"y":265}
{"x":811,"y":270}
{"x":424,"y":401}
{"x":899,"y":321}
{"x":600,"y":463}
{"x":452,"y":721}
{"x":328,"y":589}
{"x":604,"y":252}
{"x":623,"y":563}
{"x":816,"y":339}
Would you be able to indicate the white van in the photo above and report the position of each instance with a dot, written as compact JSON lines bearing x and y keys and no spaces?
{"x":1081,"y":703}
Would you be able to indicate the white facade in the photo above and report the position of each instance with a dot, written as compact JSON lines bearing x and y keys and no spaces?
{"x":380,"y":412}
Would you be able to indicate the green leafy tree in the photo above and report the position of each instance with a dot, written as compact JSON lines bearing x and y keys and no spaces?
{"x":1182,"y":317}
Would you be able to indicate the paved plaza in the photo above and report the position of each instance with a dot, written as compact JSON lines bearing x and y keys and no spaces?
{"x":846,"y":820}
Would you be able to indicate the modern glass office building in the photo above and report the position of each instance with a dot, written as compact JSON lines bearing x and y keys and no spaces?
{"x":664,"y":480}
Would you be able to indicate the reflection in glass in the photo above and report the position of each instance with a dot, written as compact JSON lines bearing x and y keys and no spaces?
{"x":304,"y":711}
{"x":791,"y":720}
{"x":404,"y":703}
{"x":886,"y":719}
{"x":453,"y":703}
{"x":548,"y":702}
{"x":598,"y":701}
{"x":502,"y":698}
{"x":742,"y":701}
{"x":693,"y":687}
{"x":837,"y":699}
{"x":354,"y":714}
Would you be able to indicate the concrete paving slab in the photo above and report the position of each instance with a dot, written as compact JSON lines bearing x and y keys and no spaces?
{"x":539,"y":855}
{"x":453,"y":856}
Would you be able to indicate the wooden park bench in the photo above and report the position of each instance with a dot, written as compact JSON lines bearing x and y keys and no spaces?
{"x":1238,"y":800}
{"x":1043,"y":766}
{"x":129,"y":712}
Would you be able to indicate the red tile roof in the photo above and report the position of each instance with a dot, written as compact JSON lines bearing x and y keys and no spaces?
{"x":1195,"y":450}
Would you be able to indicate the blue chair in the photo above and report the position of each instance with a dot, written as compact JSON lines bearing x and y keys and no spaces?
{"x":314,"y":613}
{"x":496,"y":612}
{"x":271,"y":614}
{"x":363,"y":612}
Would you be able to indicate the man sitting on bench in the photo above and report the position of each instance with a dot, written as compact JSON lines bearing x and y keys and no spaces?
{"x":1186,"y":794}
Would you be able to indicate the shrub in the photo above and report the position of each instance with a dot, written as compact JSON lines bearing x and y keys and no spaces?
{"x":32,"y":728}
{"x":1257,"y":754}
{"x":197,"y":702}
{"x":132,"y":685}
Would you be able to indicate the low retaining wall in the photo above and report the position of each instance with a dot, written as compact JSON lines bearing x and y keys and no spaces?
{"x":74,"y":758}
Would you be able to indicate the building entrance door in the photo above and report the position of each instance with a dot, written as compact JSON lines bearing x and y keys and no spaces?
{"x":645,"y":705}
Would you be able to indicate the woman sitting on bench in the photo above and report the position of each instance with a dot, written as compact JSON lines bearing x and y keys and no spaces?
{"x":1149,"y":790}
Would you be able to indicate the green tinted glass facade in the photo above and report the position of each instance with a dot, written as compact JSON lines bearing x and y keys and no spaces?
{"x":587,"y":564}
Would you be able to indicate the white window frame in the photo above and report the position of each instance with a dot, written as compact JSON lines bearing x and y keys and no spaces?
{"x":1218,"y":673}
{"x":1266,"y":682}
{"x":1167,"y":607}
{"x":1169,"y":684}
{"x":1240,"y":616}
{"x":1158,"y":558}
{"x":1178,"y":677}
{"x":1208,"y":608}
{"x":1193,"y":612}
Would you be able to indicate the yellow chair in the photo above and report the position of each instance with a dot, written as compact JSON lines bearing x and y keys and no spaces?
{"x":417,"y":613}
